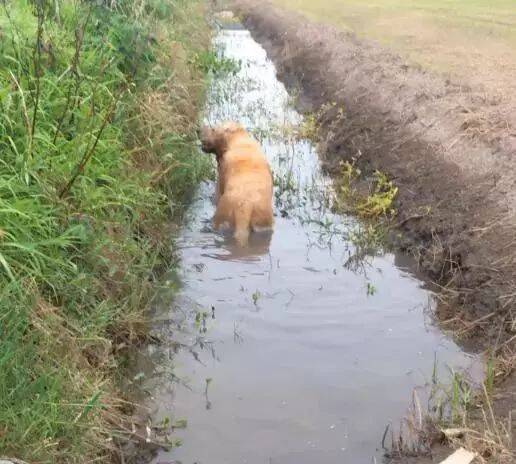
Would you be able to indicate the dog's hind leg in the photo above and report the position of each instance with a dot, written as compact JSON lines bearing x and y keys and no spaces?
{"x":224,"y":214}
{"x":262,"y":218}
{"x":243,"y":223}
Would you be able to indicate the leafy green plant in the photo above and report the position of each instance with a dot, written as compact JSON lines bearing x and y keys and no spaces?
{"x":210,"y":62}
{"x":380,"y":200}
{"x":308,"y":127}
{"x":489,"y":375}
{"x":377,"y":203}
{"x":132,"y":44}
{"x":460,"y":397}
{"x":371,"y":289}
{"x":256,"y":295}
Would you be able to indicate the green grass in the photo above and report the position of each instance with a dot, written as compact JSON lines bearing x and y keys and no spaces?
{"x":98,"y":109}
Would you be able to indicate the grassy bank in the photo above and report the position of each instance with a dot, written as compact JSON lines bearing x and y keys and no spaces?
{"x":99,"y":102}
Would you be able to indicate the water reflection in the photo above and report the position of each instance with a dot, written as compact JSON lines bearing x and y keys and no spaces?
{"x":229,"y":250}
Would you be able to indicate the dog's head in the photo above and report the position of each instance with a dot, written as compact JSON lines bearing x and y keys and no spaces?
{"x":217,"y":139}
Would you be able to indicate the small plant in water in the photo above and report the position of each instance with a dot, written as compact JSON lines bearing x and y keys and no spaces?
{"x":367,"y":240}
{"x":208,"y":402}
{"x":371,"y":289}
{"x":210,"y":62}
{"x":460,"y":398}
{"x":200,"y":321}
{"x":180,"y":424}
{"x":256,"y":296}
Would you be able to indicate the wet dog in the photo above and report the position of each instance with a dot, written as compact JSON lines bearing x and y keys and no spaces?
{"x":244,"y":185}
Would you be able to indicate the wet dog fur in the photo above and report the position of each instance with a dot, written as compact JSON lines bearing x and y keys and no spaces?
{"x":244,"y":184}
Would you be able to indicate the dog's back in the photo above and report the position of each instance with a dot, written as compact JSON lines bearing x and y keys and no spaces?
{"x":245,"y":178}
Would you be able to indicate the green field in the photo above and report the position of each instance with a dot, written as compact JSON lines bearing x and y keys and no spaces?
{"x":471,"y":39}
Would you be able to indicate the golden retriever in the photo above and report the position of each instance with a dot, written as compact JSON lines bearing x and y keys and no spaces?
{"x":244,"y":185}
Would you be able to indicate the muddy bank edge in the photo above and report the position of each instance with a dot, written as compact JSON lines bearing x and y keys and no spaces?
{"x":449,"y":149}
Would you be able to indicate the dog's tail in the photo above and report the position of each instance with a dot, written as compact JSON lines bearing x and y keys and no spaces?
{"x":243,"y":224}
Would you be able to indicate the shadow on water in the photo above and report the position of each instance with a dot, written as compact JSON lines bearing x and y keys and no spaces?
{"x":292,"y":350}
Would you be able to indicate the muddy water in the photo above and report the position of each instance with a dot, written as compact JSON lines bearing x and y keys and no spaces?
{"x":299,"y":349}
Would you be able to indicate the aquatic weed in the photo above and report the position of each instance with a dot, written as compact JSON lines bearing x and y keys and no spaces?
{"x":209,"y":62}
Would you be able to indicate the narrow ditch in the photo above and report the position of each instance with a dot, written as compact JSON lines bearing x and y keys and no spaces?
{"x":301,"y":348}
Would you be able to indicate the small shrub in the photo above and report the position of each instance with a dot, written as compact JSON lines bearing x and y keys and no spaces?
{"x":378,"y":202}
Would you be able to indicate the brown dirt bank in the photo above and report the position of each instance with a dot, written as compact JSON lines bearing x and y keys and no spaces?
{"x":451,"y":150}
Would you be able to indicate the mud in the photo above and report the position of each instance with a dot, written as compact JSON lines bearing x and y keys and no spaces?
{"x":450,"y":149}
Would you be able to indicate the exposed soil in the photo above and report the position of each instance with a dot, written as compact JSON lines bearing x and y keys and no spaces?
{"x":451,"y":150}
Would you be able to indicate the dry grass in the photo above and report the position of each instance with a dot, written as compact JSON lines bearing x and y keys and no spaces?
{"x":475,"y":40}
{"x":472,"y":425}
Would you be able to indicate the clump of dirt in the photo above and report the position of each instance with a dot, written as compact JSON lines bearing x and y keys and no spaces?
{"x":450,"y":149}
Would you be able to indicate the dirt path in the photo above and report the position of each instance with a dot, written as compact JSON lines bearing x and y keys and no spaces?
{"x":450,"y":150}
